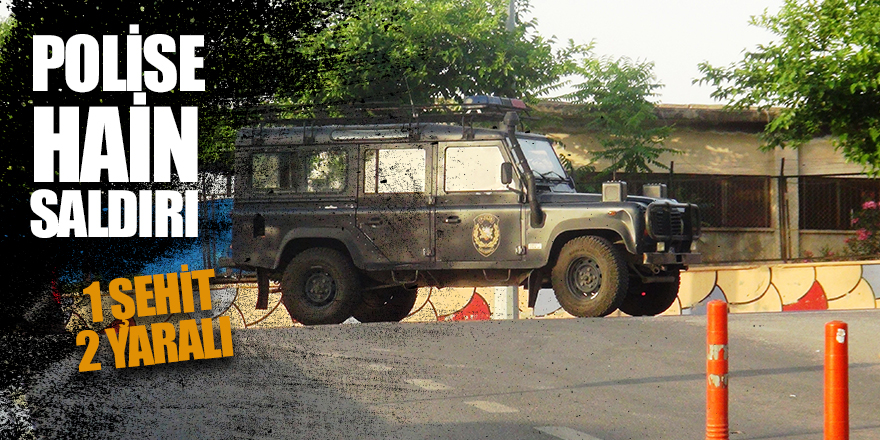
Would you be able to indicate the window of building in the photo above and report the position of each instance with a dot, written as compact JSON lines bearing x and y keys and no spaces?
{"x":474,"y":168}
{"x":394,"y":171}
{"x":724,"y":201}
{"x":830,"y":203}
{"x":300,"y":171}
{"x":727,"y":201}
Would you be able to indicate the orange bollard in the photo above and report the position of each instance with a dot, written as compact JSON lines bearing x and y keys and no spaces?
{"x":716,"y":372}
{"x":836,"y":381}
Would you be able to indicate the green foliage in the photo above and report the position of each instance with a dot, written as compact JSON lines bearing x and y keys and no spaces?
{"x":582,"y":175}
{"x":5,"y":29}
{"x":616,"y":99}
{"x":823,"y":70}
{"x":251,"y":54}
{"x":421,"y":50}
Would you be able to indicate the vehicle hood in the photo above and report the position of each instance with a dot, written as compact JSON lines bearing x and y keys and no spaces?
{"x":578,"y":198}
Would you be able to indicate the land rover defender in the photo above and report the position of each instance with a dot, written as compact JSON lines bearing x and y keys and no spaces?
{"x":352,"y":218}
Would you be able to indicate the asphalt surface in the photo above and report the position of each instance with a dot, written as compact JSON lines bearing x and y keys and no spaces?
{"x":607,"y":379}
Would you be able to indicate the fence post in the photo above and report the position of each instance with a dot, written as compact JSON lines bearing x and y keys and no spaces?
{"x":782,"y":188}
{"x":836,"y":381}
{"x":717,"y":427}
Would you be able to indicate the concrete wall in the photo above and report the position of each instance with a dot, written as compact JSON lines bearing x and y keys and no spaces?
{"x":815,"y":242}
{"x":702,"y":152}
{"x":719,"y":244}
{"x":748,"y":289}
{"x":783,"y":287}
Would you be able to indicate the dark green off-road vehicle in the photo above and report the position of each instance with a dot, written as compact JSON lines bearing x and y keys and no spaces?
{"x":352,"y":218}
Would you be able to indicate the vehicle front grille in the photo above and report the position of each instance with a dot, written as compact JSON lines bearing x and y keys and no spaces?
{"x":667,"y":221}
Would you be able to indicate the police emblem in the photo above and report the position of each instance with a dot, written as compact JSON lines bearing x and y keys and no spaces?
{"x":486,"y":234}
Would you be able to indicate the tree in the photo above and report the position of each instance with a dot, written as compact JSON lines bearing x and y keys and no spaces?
{"x":823,"y":71}
{"x":251,"y":53}
{"x":5,"y":29}
{"x":583,"y":175}
{"x":616,"y":100}
{"x":420,"y":50}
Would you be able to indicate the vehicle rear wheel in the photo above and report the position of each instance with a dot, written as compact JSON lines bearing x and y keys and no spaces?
{"x":320,"y":286}
{"x":385,"y":305}
{"x":589,"y":277}
{"x":649,"y":299}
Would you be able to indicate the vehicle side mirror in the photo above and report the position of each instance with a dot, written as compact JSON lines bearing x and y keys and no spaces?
{"x":506,"y":173}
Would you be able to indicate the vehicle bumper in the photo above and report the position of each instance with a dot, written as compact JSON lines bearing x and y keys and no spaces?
{"x":667,"y":258}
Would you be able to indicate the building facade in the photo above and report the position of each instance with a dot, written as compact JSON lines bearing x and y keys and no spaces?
{"x":757,"y":205}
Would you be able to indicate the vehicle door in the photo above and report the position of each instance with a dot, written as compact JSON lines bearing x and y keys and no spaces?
{"x":288,"y":188}
{"x":477,"y":217}
{"x":394,"y":208}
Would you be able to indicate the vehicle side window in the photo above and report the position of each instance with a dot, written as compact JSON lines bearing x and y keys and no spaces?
{"x":473,"y":168}
{"x":266,"y":170}
{"x":394,"y":171}
{"x":323,"y":172}
{"x":300,"y":172}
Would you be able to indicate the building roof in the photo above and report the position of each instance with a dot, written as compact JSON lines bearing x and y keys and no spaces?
{"x":699,"y":117}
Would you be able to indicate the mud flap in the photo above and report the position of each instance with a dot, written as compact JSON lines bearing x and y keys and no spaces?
{"x":535,"y":280}
{"x":262,"y":289}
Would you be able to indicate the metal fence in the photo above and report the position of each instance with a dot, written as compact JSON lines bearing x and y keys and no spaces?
{"x":736,"y":207}
{"x":215,"y":226}
{"x":817,"y":210}
{"x":827,"y":202}
{"x":831,"y":202}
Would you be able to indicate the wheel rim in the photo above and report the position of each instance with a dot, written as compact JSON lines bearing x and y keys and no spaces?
{"x":584,"y":278}
{"x":320,"y":287}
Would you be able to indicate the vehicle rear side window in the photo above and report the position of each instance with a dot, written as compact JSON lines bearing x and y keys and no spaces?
{"x":394,"y":171}
{"x":300,"y":172}
{"x":474,"y":168}
{"x":266,"y":171}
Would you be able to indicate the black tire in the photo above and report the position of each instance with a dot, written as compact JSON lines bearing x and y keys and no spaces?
{"x":320,"y":286}
{"x":385,"y":305}
{"x":649,"y":299}
{"x":589,"y":277}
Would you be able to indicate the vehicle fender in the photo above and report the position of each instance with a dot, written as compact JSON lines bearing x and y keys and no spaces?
{"x":605,"y":227}
{"x":344,"y":236}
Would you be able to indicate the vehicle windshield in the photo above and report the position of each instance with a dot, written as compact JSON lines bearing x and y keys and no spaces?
{"x":542,"y":159}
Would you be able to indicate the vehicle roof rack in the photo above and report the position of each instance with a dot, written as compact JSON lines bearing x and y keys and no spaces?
{"x":480,"y":108}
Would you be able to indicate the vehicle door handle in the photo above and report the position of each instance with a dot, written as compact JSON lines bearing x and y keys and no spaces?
{"x":373,"y":222}
{"x":452,"y":219}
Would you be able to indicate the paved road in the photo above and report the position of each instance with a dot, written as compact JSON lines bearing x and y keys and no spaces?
{"x":614,"y":378}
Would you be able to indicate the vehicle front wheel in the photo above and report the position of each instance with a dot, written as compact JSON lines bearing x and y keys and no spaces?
{"x":589,"y":277}
{"x":385,"y":305}
{"x":649,"y":299}
{"x":320,"y":286}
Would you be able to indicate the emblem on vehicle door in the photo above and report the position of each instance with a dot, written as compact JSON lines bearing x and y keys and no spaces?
{"x":486,"y":234}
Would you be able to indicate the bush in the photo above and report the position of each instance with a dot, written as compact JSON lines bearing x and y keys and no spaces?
{"x":867,"y":222}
